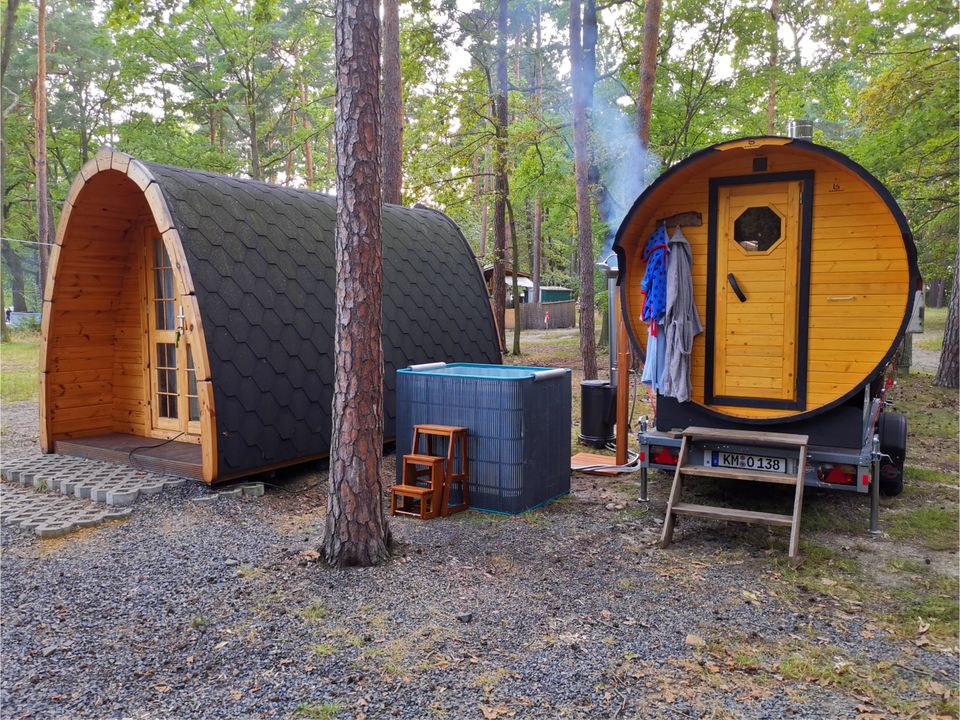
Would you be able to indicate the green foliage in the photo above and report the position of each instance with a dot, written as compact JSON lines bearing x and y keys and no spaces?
{"x":244,"y":87}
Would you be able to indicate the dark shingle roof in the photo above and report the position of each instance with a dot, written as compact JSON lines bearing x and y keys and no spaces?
{"x":262,"y":261}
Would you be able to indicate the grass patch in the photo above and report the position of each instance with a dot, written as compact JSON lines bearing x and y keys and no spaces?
{"x":199,"y":622}
{"x":823,"y":569}
{"x":936,"y":528}
{"x":930,"y":599}
{"x":836,"y":513}
{"x":317,"y":711}
{"x":314,"y":612}
{"x":925,"y":475}
{"x":935,"y":320}
{"x":934,"y":344}
{"x":324,"y":649}
{"x":826,"y":666}
{"x":19,"y":376}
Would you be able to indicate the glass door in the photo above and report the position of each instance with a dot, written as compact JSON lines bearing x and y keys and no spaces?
{"x":174,"y":402}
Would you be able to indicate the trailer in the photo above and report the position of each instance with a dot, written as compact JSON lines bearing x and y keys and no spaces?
{"x":804,"y":273}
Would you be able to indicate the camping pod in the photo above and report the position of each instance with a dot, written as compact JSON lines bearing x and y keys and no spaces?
{"x":188,"y":317}
{"x":804,"y":275}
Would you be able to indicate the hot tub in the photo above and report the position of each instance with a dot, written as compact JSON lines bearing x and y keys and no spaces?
{"x":518,"y":420}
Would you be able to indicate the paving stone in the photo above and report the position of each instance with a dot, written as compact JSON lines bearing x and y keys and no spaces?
{"x":55,"y":494}
{"x":88,"y":479}
{"x":49,"y":514}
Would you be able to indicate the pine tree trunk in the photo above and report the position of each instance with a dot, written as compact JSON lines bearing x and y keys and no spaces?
{"x":255,"y":172}
{"x":307,"y":142}
{"x":537,"y":243}
{"x":484,"y":210}
{"x":588,"y":343}
{"x":500,"y":171}
{"x":515,"y":262}
{"x":293,"y":128}
{"x":648,"y":70}
{"x":356,"y":528}
{"x":392,"y":105}
{"x":13,"y":265}
{"x":44,"y":229}
{"x":948,"y":373}
{"x":773,"y":69}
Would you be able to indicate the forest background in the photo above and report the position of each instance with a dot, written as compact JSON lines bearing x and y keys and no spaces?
{"x":246,"y":88}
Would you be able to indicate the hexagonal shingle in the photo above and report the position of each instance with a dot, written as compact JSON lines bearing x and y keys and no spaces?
{"x":262,"y":260}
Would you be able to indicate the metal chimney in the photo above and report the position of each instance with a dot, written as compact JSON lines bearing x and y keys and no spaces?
{"x":800,"y":129}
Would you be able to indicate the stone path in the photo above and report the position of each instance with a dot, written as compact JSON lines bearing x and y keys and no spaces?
{"x":54,"y":494}
{"x":50,"y":515}
{"x":87,"y":479}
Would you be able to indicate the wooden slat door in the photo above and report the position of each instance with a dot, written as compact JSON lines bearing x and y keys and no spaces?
{"x":174,"y":404}
{"x":756,"y":329}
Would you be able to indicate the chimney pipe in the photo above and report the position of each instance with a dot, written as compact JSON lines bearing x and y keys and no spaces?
{"x":800,"y":129}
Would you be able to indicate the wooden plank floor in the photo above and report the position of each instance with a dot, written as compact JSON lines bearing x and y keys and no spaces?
{"x":173,"y":458}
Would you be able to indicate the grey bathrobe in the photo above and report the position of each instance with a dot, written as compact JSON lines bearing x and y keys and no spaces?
{"x":681,"y":322}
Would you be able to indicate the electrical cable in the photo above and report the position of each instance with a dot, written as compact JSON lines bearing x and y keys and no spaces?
{"x":130,"y":460}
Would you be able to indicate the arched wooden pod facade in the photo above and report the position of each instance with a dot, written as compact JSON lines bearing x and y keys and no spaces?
{"x":823,"y":260}
{"x":193,"y":307}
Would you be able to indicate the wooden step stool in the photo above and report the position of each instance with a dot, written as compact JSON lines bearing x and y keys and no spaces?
{"x":429,"y":495}
{"x":736,"y":437}
{"x":455,"y":436}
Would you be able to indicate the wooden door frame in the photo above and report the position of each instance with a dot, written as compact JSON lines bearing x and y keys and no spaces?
{"x":806,"y":178}
{"x":187,"y":430}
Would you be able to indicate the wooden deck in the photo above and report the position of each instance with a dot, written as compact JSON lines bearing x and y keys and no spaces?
{"x":151,"y":454}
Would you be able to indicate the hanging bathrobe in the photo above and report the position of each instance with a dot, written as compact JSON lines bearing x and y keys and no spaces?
{"x":681,"y":320}
{"x":654,"y":288}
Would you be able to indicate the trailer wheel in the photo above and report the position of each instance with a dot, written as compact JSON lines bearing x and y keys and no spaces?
{"x":892,"y":430}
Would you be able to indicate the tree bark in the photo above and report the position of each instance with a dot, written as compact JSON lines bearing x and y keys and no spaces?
{"x":356,"y":528}
{"x":588,"y":344}
{"x":14,"y":270}
{"x":500,"y":171}
{"x":648,"y":70}
{"x":9,"y":21}
{"x":948,"y":373}
{"x":484,"y":209}
{"x":515,"y":261}
{"x":537,"y":235}
{"x":392,"y":105}
{"x":44,"y":228}
{"x":773,"y":69}
{"x":307,"y":142}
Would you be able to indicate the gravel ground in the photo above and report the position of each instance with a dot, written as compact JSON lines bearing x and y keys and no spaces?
{"x":19,"y":429}
{"x":222,"y":612}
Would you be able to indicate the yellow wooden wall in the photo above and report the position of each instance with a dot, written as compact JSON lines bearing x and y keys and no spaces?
{"x":857,"y":249}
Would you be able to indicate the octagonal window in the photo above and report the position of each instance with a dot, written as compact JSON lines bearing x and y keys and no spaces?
{"x":757,"y":229}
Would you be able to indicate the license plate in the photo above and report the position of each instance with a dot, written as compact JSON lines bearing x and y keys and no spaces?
{"x":743,"y":461}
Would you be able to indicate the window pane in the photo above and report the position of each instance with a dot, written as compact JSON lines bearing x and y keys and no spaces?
{"x":172,"y":406}
{"x":194,"y":408}
{"x":168,"y":312}
{"x":757,"y":229}
{"x":172,"y":381}
{"x":168,"y":283}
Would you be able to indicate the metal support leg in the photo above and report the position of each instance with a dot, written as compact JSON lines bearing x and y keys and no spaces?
{"x":875,"y":488}
{"x":644,"y":497}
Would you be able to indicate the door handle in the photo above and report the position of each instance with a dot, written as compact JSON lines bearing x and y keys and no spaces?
{"x":736,"y":288}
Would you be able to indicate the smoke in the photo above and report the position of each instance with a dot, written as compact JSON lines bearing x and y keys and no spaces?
{"x":625,"y":169}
